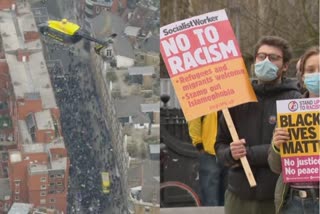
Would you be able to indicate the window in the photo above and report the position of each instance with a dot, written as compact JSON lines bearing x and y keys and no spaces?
{"x":43,"y":193}
{"x":59,"y":175}
{"x":43,"y":187}
{"x":51,"y":184}
{"x":17,"y":182}
{"x":17,"y":191}
{"x":16,"y":198}
{"x":59,"y":183}
{"x":51,"y":176}
{"x":43,"y":179}
{"x":109,"y":52}
{"x":42,"y":201}
{"x":52,"y":200}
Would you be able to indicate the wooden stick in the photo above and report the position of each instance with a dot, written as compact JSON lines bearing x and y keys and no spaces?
{"x":235,"y":137}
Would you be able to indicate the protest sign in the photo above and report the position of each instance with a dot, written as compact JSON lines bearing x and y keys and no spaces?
{"x":300,"y":155}
{"x":206,"y":68}
{"x":205,"y":64}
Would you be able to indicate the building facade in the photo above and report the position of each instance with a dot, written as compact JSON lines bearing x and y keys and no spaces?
{"x":34,"y":164}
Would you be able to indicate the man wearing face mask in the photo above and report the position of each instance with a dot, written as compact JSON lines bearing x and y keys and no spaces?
{"x":255,"y":123}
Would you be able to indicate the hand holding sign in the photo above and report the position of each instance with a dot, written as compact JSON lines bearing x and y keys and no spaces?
{"x":280,"y":136}
{"x":206,"y":68}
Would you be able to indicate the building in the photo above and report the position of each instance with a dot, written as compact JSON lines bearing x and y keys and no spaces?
{"x":145,"y":16}
{"x":121,"y":50}
{"x":33,"y":156}
{"x":149,"y":50}
{"x":24,"y":208}
{"x":129,"y":112}
{"x":153,"y":109}
{"x":94,"y":7}
{"x":142,"y":75}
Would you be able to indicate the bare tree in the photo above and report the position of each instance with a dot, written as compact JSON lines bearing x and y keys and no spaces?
{"x":295,"y":20}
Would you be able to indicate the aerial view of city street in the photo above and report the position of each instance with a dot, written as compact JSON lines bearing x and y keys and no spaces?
{"x":79,"y":123}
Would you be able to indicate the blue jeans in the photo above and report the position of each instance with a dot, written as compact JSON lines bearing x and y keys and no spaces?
{"x":296,"y":205}
{"x":212,"y":180}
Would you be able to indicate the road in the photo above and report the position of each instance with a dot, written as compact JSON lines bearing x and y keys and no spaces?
{"x":85,"y":134}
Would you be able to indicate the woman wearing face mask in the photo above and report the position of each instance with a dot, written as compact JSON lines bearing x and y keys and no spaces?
{"x":297,"y":198}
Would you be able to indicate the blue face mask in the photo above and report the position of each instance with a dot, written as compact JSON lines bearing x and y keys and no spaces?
{"x":312,"y":82}
{"x":266,"y":70}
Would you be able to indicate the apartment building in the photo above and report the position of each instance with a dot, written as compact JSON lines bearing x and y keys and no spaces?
{"x":34,"y":164}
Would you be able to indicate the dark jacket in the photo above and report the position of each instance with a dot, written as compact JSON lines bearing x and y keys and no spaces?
{"x":254,"y":122}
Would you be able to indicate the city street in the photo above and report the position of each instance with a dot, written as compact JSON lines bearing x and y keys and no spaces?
{"x":84,"y":130}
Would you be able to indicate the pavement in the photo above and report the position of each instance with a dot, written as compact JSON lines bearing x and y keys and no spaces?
{"x":193,"y":210}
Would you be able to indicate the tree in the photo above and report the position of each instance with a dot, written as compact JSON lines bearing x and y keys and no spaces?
{"x":295,"y":20}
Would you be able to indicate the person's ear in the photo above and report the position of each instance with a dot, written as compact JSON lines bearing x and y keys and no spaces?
{"x":285,"y":67}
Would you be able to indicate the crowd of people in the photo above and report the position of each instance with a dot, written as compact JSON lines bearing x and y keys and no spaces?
{"x":86,"y":137}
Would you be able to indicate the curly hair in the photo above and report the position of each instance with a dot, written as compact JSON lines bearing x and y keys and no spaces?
{"x":278,"y":42}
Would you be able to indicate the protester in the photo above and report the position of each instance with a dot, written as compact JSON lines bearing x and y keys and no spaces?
{"x":296,"y":198}
{"x":255,"y":123}
{"x":203,"y":133}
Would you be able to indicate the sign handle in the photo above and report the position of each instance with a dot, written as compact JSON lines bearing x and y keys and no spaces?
{"x":235,"y":137}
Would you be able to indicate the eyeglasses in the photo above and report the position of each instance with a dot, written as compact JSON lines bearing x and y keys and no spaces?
{"x":271,"y":57}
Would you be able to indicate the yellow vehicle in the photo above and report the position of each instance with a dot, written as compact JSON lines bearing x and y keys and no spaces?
{"x":105,"y":182}
{"x":70,"y":33}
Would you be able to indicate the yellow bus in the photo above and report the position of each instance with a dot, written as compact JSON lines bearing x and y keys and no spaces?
{"x":105,"y":182}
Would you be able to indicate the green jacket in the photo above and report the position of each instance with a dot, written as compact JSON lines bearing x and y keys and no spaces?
{"x":281,"y":190}
{"x":274,"y":161}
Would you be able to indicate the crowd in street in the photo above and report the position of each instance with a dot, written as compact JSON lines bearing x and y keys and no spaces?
{"x":86,"y":137}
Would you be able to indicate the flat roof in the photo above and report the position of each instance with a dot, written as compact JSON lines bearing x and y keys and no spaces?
{"x":15,"y":156}
{"x":60,"y":163}
{"x":43,"y":147}
{"x":5,"y":189}
{"x":150,"y":107}
{"x":141,"y":70}
{"x":14,"y":27}
{"x":132,"y":31}
{"x":24,"y":132}
{"x":44,"y":120}
{"x":20,"y":208}
{"x":38,"y":168}
{"x":31,"y":76}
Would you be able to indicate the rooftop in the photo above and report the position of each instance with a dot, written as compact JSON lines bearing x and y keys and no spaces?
{"x":41,"y":147}
{"x":60,"y":163}
{"x":151,"y":186}
{"x":5,"y":189}
{"x":44,"y":120}
{"x":151,"y":44}
{"x":24,"y":132}
{"x":20,"y":208}
{"x":132,"y":31}
{"x":141,"y":70}
{"x":151,"y":107}
{"x":128,"y":106}
{"x":15,"y":25}
{"x":30,"y":76}
{"x":15,"y":156}
{"x":38,"y":168}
